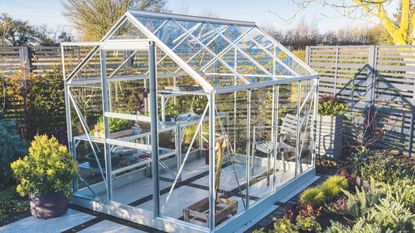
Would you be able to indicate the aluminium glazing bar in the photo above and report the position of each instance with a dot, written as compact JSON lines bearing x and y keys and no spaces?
{"x":154,"y":128}
{"x":297,"y":140}
{"x":248,"y":149}
{"x":313,"y":159}
{"x":68,"y":119}
{"x":105,"y":107}
{"x":229,"y":89}
{"x":212,"y":164}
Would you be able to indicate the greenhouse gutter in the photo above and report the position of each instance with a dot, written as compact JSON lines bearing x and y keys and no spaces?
{"x":264,"y":84}
{"x":190,"y":18}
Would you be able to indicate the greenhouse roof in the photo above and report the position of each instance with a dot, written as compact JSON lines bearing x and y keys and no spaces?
{"x":219,"y":54}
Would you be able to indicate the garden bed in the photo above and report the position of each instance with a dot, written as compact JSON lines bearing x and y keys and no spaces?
{"x":338,"y":204}
{"x":12,"y":206}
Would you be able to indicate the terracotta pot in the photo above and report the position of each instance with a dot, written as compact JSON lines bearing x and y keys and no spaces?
{"x":49,"y":205}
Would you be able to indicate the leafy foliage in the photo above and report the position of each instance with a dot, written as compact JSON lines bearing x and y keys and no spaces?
{"x":332,"y":186}
{"x":46,"y":101}
{"x":48,"y":168}
{"x":308,"y":224}
{"x":43,"y":105}
{"x":383,"y":208}
{"x":171,"y":110}
{"x":325,"y":192}
{"x":312,"y":196}
{"x":11,"y":148}
{"x":284,"y":225}
{"x":115,"y":124}
{"x":11,"y":204}
{"x":330,"y":105}
{"x":386,"y":166}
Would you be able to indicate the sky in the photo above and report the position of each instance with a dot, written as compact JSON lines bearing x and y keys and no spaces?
{"x":49,"y":12}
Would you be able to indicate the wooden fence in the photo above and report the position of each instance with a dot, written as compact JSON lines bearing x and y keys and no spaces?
{"x":377,"y":82}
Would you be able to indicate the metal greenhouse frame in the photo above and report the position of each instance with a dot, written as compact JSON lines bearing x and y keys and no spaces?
{"x":226,"y":131}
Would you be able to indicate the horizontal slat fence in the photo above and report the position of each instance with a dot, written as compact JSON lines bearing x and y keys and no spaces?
{"x":375,"y":79}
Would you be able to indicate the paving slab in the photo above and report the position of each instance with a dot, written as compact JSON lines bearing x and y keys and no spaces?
{"x":35,"y":225}
{"x":109,"y":227}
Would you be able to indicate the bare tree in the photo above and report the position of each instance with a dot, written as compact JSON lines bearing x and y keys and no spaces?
{"x":93,"y":18}
{"x":400,"y":23}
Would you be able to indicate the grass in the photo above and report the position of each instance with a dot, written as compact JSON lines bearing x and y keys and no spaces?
{"x":11,"y":204}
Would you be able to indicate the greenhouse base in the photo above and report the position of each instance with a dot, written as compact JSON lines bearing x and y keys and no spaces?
{"x":238,"y":223}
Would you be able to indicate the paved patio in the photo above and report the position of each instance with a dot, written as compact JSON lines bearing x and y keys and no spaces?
{"x":77,"y":219}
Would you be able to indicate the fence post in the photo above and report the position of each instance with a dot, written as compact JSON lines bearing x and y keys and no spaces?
{"x":370,"y":91}
{"x":25,"y":64}
{"x":307,"y":55}
{"x":25,"y":60}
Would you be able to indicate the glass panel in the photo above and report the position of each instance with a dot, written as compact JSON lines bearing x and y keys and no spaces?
{"x":219,"y":75}
{"x":262,"y":143}
{"x":91,"y":175}
{"x":127,"y":31}
{"x":151,"y":24}
{"x":231,"y":154}
{"x":286,"y":133}
{"x":183,"y":176}
{"x":170,"y":33}
{"x":306,"y":113}
{"x":90,"y":156}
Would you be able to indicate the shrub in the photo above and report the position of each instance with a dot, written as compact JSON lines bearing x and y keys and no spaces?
{"x":312,"y":196}
{"x":332,"y":187}
{"x":48,"y":168}
{"x":46,"y":105}
{"x":284,"y":225}
{"x":12,"y":147}
{"x":325,"y":192}
{"x":330,"y":105}
{"x":383,"y":208}
{"x":385,"y":166}
{"x":308,"y":224}
{"x":391,"y":214}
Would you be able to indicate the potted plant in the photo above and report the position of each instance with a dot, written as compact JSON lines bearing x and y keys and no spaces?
{"x":171,"y":112}
{"x":45,"y":175}
{"x":199,"y":105}
{"x":330,"y":126}
{"x":117,"y":127}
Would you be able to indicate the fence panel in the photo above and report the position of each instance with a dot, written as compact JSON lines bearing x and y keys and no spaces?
{"x":374,"y":79}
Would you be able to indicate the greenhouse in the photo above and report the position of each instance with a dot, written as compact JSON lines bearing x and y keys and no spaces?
{"x":188,"y":124}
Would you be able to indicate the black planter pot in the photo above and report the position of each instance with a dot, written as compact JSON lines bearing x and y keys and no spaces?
{"x":49,"y":205}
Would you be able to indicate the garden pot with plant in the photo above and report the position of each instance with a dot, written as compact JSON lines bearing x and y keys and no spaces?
{"x":45,"y":175}
{"x":171,"y":112}
{"x":117,"y":128}
{"x":329,"y":131}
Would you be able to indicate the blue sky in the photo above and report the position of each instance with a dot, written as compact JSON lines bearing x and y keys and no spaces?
{"x":49,"y":12}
